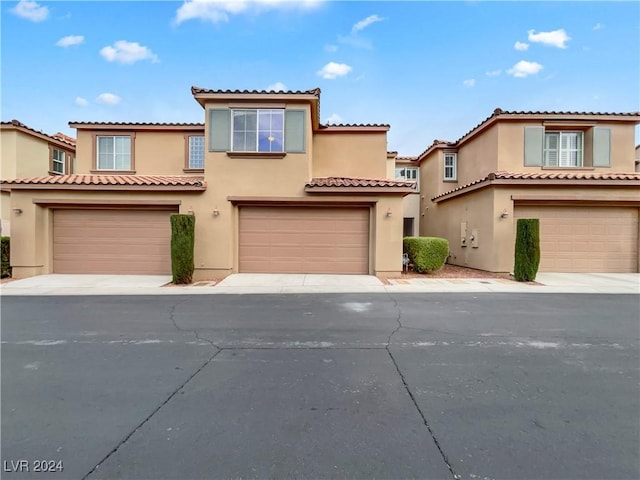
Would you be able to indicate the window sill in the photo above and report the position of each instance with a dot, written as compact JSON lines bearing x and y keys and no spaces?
{"x":445,"y":180}
{"x":193,"y":170}
{"x":113,"y":172}
{"x":568,"y":168}
{"x":51,"y":172}
{"x":256,"y":154}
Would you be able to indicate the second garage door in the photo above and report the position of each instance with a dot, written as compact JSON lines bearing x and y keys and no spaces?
{"x":586,"y":239}
{"x":112,"y":241}
{"x":304,"y":240}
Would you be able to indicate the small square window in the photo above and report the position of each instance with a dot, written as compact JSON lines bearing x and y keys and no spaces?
{"x":114,"y":152}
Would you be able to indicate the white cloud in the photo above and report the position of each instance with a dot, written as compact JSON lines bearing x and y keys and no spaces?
{"x":277,"y":87}
{"x":334,"y":118}
{"x":469,"y":83}
{"x":556,"y":38}
{"x":365,"y":22}
{"x":521,"y":46}
{"x":333,"y":70}
{"x":493,"y":73}
{"x":70,"y":40}
{"x":31,"y":11}
{"x":81,"y":102}
{"x":216,"y":11}
{"x":128,"y":52}
{"x":524,"y":69}
{"x":330,"y":48}
{"x":598,"y":26}
{"x":108,"y":99}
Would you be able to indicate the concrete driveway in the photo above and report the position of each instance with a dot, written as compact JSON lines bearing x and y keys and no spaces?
{"x":479,"y":386}
{"x":57,"y":284}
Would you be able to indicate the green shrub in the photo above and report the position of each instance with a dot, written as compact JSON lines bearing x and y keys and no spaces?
{"x":427,"y":254}
{"x":5,"y":249}
{"x":527,"y":257}
{"x":182,"y":242}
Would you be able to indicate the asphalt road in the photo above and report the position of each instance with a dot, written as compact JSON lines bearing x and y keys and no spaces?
{"x":478,"y":386}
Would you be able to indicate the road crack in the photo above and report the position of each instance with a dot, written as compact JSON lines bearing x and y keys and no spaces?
{"x":425,"y":421}
{"x":156,"y":410}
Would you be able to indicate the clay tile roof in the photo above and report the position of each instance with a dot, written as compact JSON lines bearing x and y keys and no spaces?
{"x":59,"y":137}
{"x":112,"y":180}
{"x":358,"y":182}
{"x":197,"y":90}
{"x":550,"y":176}
{"x":141,"y":124}
{"x":355,"y":125}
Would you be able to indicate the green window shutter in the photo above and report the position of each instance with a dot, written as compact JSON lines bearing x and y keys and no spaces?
{"x":601,"y":147}
{"x":533,"y":146}
{"x":219,"y":130}
{"x":294,"y":131}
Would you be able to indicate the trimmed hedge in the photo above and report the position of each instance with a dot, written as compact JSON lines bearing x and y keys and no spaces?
{"x":427,"y":254}
{"x":182,"y":243}
{"x":527,"y":256}
{"x":5,"y":249}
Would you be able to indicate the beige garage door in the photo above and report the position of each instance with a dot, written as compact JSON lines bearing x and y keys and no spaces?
{"x":304,"y":240}
{"x":586,"y":239}
{"x":112,"y":241}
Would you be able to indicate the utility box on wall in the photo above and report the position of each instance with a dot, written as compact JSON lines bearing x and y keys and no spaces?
{"x":463,"y":234}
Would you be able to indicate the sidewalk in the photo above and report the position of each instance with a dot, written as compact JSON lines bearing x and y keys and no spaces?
{"x":245,"y":283}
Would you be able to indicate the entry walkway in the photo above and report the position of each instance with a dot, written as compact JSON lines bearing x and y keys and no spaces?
{"x":245,"y":283}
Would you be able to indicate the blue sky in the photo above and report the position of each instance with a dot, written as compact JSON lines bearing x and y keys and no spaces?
{"x":429,"y":69}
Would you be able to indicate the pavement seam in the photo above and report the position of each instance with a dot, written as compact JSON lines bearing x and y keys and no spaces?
{"x":172,"y":313}
{"x":410,"y":393}
{"x":156,"y":410}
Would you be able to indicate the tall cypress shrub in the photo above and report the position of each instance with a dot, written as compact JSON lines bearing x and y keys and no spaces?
{"x":182,"y":242}
{"x":527,"y":258}
{"x":5,"y":247}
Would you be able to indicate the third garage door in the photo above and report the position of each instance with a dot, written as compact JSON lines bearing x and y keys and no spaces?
{"x":586,"y":239}
{"x":304,"y":240}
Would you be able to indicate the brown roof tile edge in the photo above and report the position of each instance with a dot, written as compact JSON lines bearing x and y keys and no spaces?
{"x":358,"y":182}
{"x":543,"y":176}
{"x":112,"y":180}
{"x":140,"y":124}
{"x":59,"y":137}
{"x":196,"y":90}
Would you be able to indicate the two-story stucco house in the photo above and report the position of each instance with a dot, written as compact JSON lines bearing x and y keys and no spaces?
{"x":573,"y":171}
{"x":273,"y":190}
{"x":28,"y":152}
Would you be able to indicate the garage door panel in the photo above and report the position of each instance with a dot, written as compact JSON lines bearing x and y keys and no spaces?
{"x":112,"y":241}
{"x":304,"y":240}
{"x":586,"y":239}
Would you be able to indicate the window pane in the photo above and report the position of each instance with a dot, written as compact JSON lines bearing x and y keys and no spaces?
{"x":239,"y":120}
{"x":277,"y":141}
{"x":196,"y":152}
{"x":250,"y":140}
{"x":277,"y":120}
{"x":105,"y":145}
{"x":252,"y":120}
{"x":105,"y":161}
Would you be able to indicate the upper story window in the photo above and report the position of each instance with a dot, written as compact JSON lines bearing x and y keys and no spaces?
{"x":258,"y":130}
{"x":196,"y":152}
{"x":563,"y":149}
{"x":582,"y":146}
{"x":58,"y":161}
{"x":408,"y":173}
{"x":114,"y":152}
{"x":272,"y":132}
{"x":450,"y":166}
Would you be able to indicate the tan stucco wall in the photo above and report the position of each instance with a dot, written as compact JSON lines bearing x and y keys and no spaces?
{"x":476,"y":158}
{"x":482,"y":210}
{"x":31,"y":239}
{"x":411,"y":209}
{"x":511,"y":152}
{"x":156,"y":152}
{"x":350,"y":155}
{"x":23,"y":155}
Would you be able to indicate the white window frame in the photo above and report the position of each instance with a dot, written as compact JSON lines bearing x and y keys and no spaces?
{"x":409,"y":173}
{"x":565,"y":156}
{"x":114,"y":154}
{"x":451,"y":165}
{"x":58,"y":161}
{"x":258,"y":131}
{"x":196,"y":150}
